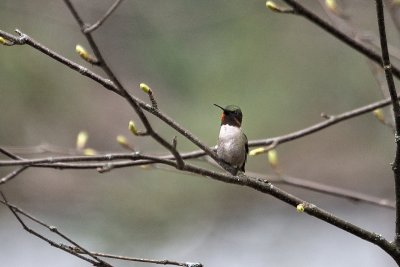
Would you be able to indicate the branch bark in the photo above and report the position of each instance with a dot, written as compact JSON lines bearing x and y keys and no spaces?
{"x":387,"y":66}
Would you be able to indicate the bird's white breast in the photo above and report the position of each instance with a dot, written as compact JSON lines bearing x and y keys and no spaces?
{"x":231,"y":145}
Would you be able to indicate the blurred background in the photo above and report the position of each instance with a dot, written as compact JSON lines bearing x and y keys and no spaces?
{"x":280,"y":69}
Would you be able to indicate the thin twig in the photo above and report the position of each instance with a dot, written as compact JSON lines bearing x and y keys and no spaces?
{"x":98,"y":158}
{"x":98,"y":23}
{"x":78,"y":250}
{"x":334,"y":191}
{"x":13,"y":174}
{"x":9,"y":154}
{"x":333,"y":119}
{"x":162,"y":262}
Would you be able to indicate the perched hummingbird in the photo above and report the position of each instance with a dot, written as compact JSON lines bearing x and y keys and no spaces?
{"x":232,"y":142}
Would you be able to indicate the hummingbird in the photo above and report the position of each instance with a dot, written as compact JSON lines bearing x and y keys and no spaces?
{"x":232,"y":142}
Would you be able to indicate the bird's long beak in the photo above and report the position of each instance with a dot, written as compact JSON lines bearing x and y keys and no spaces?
{"x":219,"y":107}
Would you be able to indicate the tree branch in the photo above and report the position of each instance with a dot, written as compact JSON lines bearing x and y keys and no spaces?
{"x":95,"y":260}
{"x":120,"y":88}
{"x":98,"y":23}
{"x":12,"y":174}
{"x":162,"y":262}
{"x":356,"y":45}
{"x":76,"y":249}
{"x":396,"y":110}
{"x":332,"y":119}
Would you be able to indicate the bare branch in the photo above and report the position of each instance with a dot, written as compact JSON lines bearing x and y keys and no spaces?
{"x":98,"y":23}
{"x":8,"y":154}
{"x":341,"y":20}
{"x":134,"y":103}
{"x":331,"y":120}
{"x":95,"y":261}
{"x":162,"y":262}
{"x":333,"y":191}
{"x":356,"y":45}
{"x":78,"y":250}
{"x":12,"y":174}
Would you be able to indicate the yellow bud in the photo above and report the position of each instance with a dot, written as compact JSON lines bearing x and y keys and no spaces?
{"x":2,"y":41}
{"x":89,"y":152}
{"x":82,"y":52}
{"x":145,"y":88}
{"x":81,"y":140}
{"x":378,"y":113}
{"x":122,"y":140}
{"x":132,"y":128}
{"x":274,"y":7}
{"x":300,"y":208}
{"x":271,"y":5}
{"x":331,"y":4}
{"x":273,"y":158}
{"x":257,"y":151}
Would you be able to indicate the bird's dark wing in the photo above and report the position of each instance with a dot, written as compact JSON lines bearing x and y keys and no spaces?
{"x":247,"y":152}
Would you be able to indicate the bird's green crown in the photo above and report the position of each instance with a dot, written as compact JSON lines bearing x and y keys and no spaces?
{"x":231,"y":115}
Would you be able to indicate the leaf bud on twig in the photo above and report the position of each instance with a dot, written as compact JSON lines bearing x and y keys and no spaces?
{"x":132,"y":128}
{"x":82,"y":52}
{"x":81,"y":140}
{"x":123,"y":141}
{"x":149,"y":92}
{"x":274,"y":7}
{"x":273,"y":158}
{"x":89,"y":152}
{"x":378,"y":113}
{"x":3,"y":41}
{"x":85,"y":55}
{"x":145,"y":88}
{"x":300,"y":208}
{"x":331,"y":4}
{"x":257,"y":151}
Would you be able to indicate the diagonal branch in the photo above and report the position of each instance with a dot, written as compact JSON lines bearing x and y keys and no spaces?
{"x":122,"y":91}
{"x":333,"y":191}
{"x":95,"y":260}
{"x":356,"y":45}
{"x":12,"y":174}
{"x":78,"y":250}
{"x":8,"y":154}
{"x":266,"y":187}
{"x":332,"y":119}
